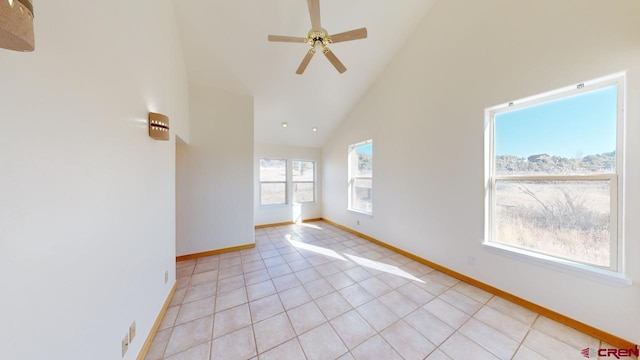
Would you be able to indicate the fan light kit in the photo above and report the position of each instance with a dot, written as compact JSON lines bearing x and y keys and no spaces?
{"x":319,"y":37}
{"x":16,"y":25}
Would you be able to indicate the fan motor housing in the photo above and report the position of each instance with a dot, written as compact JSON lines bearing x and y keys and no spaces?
{"x":321,"y":38}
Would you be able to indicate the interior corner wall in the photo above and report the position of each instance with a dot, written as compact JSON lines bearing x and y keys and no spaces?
{"x":87,"y":198}
{"x":273,"y":214}
{"x":215,"y":173}
{"x":425,"y":114}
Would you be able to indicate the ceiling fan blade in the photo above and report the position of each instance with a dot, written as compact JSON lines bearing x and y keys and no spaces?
{"x":314,"y":12}
{"x":334,"y":61}
{"x":349,"y":35}
{"x":293,"y":39}
{"x":305,"y":62}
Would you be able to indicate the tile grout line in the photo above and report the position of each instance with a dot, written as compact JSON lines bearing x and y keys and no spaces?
{"x":530,"y":327}
{"x":456,"y":330}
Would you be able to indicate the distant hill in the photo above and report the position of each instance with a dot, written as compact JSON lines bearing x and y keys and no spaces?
{"x":549,"y":164}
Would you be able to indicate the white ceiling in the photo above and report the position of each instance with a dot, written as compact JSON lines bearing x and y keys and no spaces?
{"x":225,"y":46}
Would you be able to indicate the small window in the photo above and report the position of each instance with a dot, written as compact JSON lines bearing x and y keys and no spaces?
{"x":304,"y":188}
{"x":273,"y":181}
{"x":555,"y":165}
{"x":361,"y":177}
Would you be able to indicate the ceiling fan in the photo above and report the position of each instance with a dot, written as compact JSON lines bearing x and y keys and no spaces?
{"x":319,"y":37}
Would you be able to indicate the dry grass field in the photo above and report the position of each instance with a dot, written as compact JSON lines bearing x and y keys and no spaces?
{"x":562,"y":218}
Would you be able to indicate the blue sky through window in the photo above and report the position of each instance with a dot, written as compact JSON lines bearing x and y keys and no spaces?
{"x":365,"y":149}
{"x":576,"y":126}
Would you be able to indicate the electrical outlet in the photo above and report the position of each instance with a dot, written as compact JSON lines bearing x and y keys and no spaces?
{"x":132,"y":331}
{"x":125,"y":344}
{"x":166,"y":276}
{"x":357,"y":222}
{"x":471,"y":260}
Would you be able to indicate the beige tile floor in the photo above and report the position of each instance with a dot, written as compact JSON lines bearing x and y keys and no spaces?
{"x":313,"y":291}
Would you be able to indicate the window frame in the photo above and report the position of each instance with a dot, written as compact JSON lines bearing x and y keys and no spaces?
{"x":616,"y":266}
{"x":293,"y":182}
{"x":285,"y":182}
{"x":352,"y":178}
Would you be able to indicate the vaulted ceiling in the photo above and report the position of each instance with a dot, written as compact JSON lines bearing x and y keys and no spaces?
{"x":225,"y":46}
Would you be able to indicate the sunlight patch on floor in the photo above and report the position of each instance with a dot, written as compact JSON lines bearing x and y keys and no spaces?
{"x":316,"y":249}
{"x":309,"y":225}
{"x":389,"y":269}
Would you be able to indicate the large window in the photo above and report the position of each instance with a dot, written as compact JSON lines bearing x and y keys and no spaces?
{"x":361,"y":177}
{"x":303,"y":181}
{"x":554,"y":184}
{"x":273,"y":181}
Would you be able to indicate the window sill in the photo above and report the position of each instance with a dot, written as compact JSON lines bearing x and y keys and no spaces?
{"x":369,"y":214}
{"x":273,"y":205}
{"x":589,"y":272}
{"x":289,"y":205}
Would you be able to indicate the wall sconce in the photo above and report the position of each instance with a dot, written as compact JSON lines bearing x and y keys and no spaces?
{"x":16,"y":25}
{"x":158,"y":126}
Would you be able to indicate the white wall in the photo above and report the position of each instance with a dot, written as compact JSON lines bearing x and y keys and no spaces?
{"x":273,"y":214}
{"x":425,"y":114}
{"x":215,"y":173}
{"x":87,"y":216}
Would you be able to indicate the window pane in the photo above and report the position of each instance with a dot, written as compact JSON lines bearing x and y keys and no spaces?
{"x":567,"y":219}
{"x":273,"y":193}
{"x":273,"y":170}
{"x":361,"y":195}
{"x":303,"y":192}
{"x":303,"y":171}
{"x":571,"y":135}
{"x":364,"y":160}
